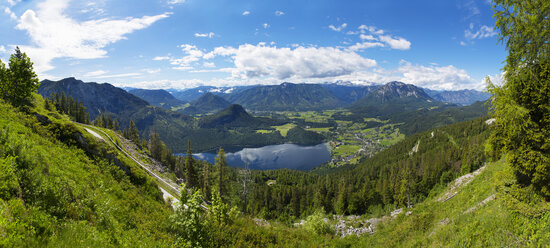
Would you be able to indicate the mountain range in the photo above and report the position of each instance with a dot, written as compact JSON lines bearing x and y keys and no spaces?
{"x":159,"y":98}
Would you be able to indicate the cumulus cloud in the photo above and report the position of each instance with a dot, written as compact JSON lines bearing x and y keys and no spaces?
{"x":339,"y":28}
{"x":396,"y":43}
{"x":437,"y":77}
{"x":55,"y":35}
{"x":481,"y":33}
{"x":279,"y":13}
{"x":3,"y":49}
{"x":365,"y":45}
{"x":209,"y":64}
{"x":252,"y":61}
{"x":191,"y":54}
{"x":209,"y":35}
{"x":13,"y":2}
{"x":245,"y":13}
{"x":10,"y":13}
{"x":375,"y":38}
{"x":266,"y":25}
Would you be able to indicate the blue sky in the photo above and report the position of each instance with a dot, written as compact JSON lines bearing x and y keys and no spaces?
{"x":436,"y":44}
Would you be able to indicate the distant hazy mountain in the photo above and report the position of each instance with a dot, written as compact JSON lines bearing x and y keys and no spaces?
{"x":394,"y":97}
{"x":287,"y":96}
{"x":193,"y":94}
{"x":462,"y":97}
{"x":159,"y":98}
{"x":97,"y":98}
{"x":207,"y":103}
{"x":349,"y":92}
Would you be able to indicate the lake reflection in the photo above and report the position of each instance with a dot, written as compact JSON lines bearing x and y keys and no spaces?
{"x":289,"y":156}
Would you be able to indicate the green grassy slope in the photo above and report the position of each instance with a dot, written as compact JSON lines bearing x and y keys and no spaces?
{"x":62,"y":187}
{"x":513,"y":218}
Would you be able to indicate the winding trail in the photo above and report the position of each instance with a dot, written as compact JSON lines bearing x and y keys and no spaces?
{"x":152,"y":173}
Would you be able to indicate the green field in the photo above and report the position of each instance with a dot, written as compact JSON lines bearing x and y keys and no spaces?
{"x":284,"y":128}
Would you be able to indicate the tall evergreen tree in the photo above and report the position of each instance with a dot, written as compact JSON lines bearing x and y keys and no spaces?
{"x":133,"y":132}
{"x":221,"y":163}
{"x":20,"y":81}
{"x":190,"y":172}
{"x":521,"y":105}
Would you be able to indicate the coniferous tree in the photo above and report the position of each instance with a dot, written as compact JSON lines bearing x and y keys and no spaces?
{"x":221,"y":163}
{"x":133,"y":132}
{"x":190,"y":172}
{"x":206,"y":180}
{"x":521,"y":105}
{"x":19,"y":81}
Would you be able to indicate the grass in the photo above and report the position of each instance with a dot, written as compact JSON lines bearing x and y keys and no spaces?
{"x":319,"y":129}
{"x":284,"y":128}
{"x":346,"y":150}
{"x":263,"y":131}
{"x":502,"y":222}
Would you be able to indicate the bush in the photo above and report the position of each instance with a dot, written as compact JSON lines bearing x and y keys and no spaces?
{"x":317,"y":223}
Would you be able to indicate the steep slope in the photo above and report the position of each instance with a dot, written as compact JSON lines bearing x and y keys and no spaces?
{"x":287,"y":96}
{"x":159,"y":98}
{"x":207,"y":103}
{"x":392,"y":98}
{"x":348,"y":92}
{"x":62,"y":187}
{"x":97,"y":98}
{"x":462,"y":97}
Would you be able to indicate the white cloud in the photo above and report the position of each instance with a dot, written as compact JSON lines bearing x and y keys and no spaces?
{"x":437,"y":77}
{"x":252,"y":61}
{"x":95,"y":73}
{"x":55,"y":35}
{"x":365,"y":45}
{"x":13,"y":2}
{"x":266,"y":25}
{"x":366,"y":37}
{"x":339,"y":28}
{"x":209,"y":35}
{"x":158,"y":58}
{"x":10,"y":13}
{"x":152,"y":71}
{"x":371,"y":29}
{"x":481,"y":33}
{"x":462,"y":43}
{"x":396,"y":43}
{"x":246,"y":13}
{"x":176,"y":1}
{"x":192,"y":54}
{"x":3,"y":49}
{"x":209,"y":64}
{"x":279,"y":13}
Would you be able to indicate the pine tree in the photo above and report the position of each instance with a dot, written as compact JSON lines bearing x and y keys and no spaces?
{"x":19,"y":81}
{"x":133,"y":132}
{"x":206,"y":180}
{"x":190,"y":172}
{"x":221,"y":163}
{"x":521,"y":106}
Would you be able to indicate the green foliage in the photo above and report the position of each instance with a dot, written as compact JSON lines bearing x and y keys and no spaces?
{"x":54,"y":193}
{"x":521,"y":105}
{"x":316,"y":223}
{"x":189,"y":220}
{"x":19,"y":82}
{"x":191,"y":176}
